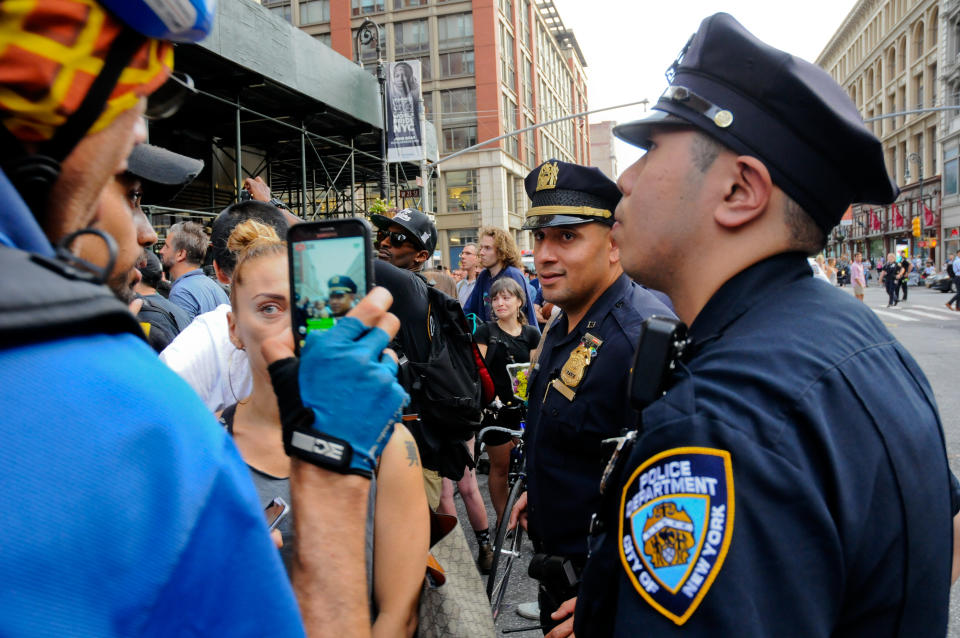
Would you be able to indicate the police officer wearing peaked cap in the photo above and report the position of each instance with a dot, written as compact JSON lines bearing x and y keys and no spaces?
{"x":776,"y":489}
{"x":577,"y":394}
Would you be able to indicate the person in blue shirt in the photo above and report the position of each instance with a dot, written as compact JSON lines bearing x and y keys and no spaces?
{"x":776,"y":489}
{"x":182,"y":254}
{"x":135,"y":513}
{"x":499,"y":257}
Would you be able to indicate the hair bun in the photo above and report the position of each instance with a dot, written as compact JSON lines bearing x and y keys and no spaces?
{"x":251,"y":235}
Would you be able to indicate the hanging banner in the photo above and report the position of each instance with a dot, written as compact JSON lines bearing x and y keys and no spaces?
{"x":404,"y":131}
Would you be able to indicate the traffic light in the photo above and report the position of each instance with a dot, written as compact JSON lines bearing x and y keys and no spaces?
{"x":916,"y":227}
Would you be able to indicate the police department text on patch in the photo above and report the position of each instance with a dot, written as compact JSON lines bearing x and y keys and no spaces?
{"x":675,"y":527}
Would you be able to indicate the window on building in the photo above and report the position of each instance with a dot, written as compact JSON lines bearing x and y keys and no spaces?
{"x":364,"y":7}
{"x":314,"y":11}
{"x":524,"y":35}
{"x":455,"y":31}
{"x":463,"y":192}
{"x":950,"y":172}
{"x":323,"y":37}
{"x":406,"y":4}
{"x":456,"y":63}
{"x":411,"y":37}
{"x":918,"y":40}
{"x":506,"y":7}
{"x":458,"y":105}
{"x":527,"y":83}
{"x":529,"y":149}
{"x":282,"y":8}
{"x":457,"y":138}
{"x":508,"y":60}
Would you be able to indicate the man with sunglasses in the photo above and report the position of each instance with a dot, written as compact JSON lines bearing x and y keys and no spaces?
{"x":406,"y":240}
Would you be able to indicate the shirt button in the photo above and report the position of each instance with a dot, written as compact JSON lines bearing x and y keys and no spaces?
{"x":554,"y":412}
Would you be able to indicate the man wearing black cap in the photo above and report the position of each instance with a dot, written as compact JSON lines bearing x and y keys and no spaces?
{"x":775,"y":489}
{"x":571,"y":414}
{"x":406,"y":240}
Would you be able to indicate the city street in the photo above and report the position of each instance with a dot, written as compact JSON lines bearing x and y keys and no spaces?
{"x":929,"y":331}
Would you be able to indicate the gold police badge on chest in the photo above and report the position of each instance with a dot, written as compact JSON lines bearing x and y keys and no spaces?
{"x":573,"y":371}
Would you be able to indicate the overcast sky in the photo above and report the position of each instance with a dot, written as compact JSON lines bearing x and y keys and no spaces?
{"x":628,"y":44}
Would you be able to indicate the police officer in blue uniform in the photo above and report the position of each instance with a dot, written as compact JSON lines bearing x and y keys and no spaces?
{"x":577,"y":394}
{"x":777,"y":489}
{"x":343,"y":294}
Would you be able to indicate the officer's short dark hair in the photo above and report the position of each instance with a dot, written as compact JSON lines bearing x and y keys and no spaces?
{"x":805,"y":235}
{"x":234,"y":215}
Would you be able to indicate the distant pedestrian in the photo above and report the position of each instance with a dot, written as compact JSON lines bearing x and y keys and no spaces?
{"x":890,"y":276}
{"x":857,"y":277}
{"x":907,"y":266}
{"x":832,"y":270}
{"x":955,"y":275}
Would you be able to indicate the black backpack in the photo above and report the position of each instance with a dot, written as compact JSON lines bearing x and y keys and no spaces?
{"x":950,"y":270}
{"x":446,"y":389}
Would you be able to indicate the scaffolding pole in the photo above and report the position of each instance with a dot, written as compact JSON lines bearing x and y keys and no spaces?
{"x":238,"y":159}
{"x":303,"y":171}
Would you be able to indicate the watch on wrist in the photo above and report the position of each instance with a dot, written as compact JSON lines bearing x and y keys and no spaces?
{"x":276,"y":202}
{"x":317,"y":448}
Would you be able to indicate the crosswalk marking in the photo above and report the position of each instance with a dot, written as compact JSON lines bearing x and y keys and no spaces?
{"x":951,"y":313}
{"x":894,"y":316}
{"x":930,"y":314}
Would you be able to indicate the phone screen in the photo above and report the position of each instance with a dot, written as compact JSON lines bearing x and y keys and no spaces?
{"x":329,"y":276}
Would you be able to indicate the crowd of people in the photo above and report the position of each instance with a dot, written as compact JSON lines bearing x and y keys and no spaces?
{"x":694,"y":463}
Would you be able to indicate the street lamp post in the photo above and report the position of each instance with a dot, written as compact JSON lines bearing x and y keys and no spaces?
{"x":915,"y":157}
{"x":369,"y":32}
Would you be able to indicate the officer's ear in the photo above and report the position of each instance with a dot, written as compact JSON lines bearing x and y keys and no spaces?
{"x":748,"y":189}
{"x":421,"y":256}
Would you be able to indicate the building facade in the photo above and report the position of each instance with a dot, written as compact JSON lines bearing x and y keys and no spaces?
{"x":489,"y":67}
{"x":886,"y":54}
{"x":602,"y":152}
{"x":950,"y":126}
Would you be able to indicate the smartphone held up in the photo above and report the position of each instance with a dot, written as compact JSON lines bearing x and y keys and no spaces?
{"x":331,"y":269}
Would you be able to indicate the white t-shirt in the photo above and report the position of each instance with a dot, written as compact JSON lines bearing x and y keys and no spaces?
{"x":204,"y":357}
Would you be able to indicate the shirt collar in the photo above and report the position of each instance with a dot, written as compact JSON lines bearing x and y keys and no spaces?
{"x":604,"y":303}
{"x":190,"y":273}
{"x":746,"y":289}
{"x":18,"y":227}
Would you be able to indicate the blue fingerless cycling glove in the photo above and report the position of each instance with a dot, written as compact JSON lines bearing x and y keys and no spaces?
{"x":339,"y":403}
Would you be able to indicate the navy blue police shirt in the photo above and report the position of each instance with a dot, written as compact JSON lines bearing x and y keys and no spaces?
{"x":564,"y":459}
{"x":793,"y":482}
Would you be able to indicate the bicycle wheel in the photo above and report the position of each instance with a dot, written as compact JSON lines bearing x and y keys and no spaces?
{"x":506,"y":552}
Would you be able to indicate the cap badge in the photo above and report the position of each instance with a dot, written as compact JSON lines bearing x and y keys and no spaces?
{"x":723,"y":118}
{"x":548,"y":176}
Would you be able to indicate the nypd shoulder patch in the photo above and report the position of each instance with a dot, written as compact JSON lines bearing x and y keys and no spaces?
{"x":676,"y":522}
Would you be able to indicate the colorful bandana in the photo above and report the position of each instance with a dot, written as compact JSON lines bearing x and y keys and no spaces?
{"x":51,"y":51}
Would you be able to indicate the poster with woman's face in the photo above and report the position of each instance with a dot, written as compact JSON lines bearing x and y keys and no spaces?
{"x":404,"y":131}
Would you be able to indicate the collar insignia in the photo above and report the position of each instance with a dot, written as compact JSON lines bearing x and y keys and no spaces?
{"x":676,"y":523}
{"x":547,"y":178}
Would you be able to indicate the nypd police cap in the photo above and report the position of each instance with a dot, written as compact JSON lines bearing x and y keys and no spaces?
{"x":340,"y":284}
{"x":789,"y":113}
{"x":564,"y":194}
